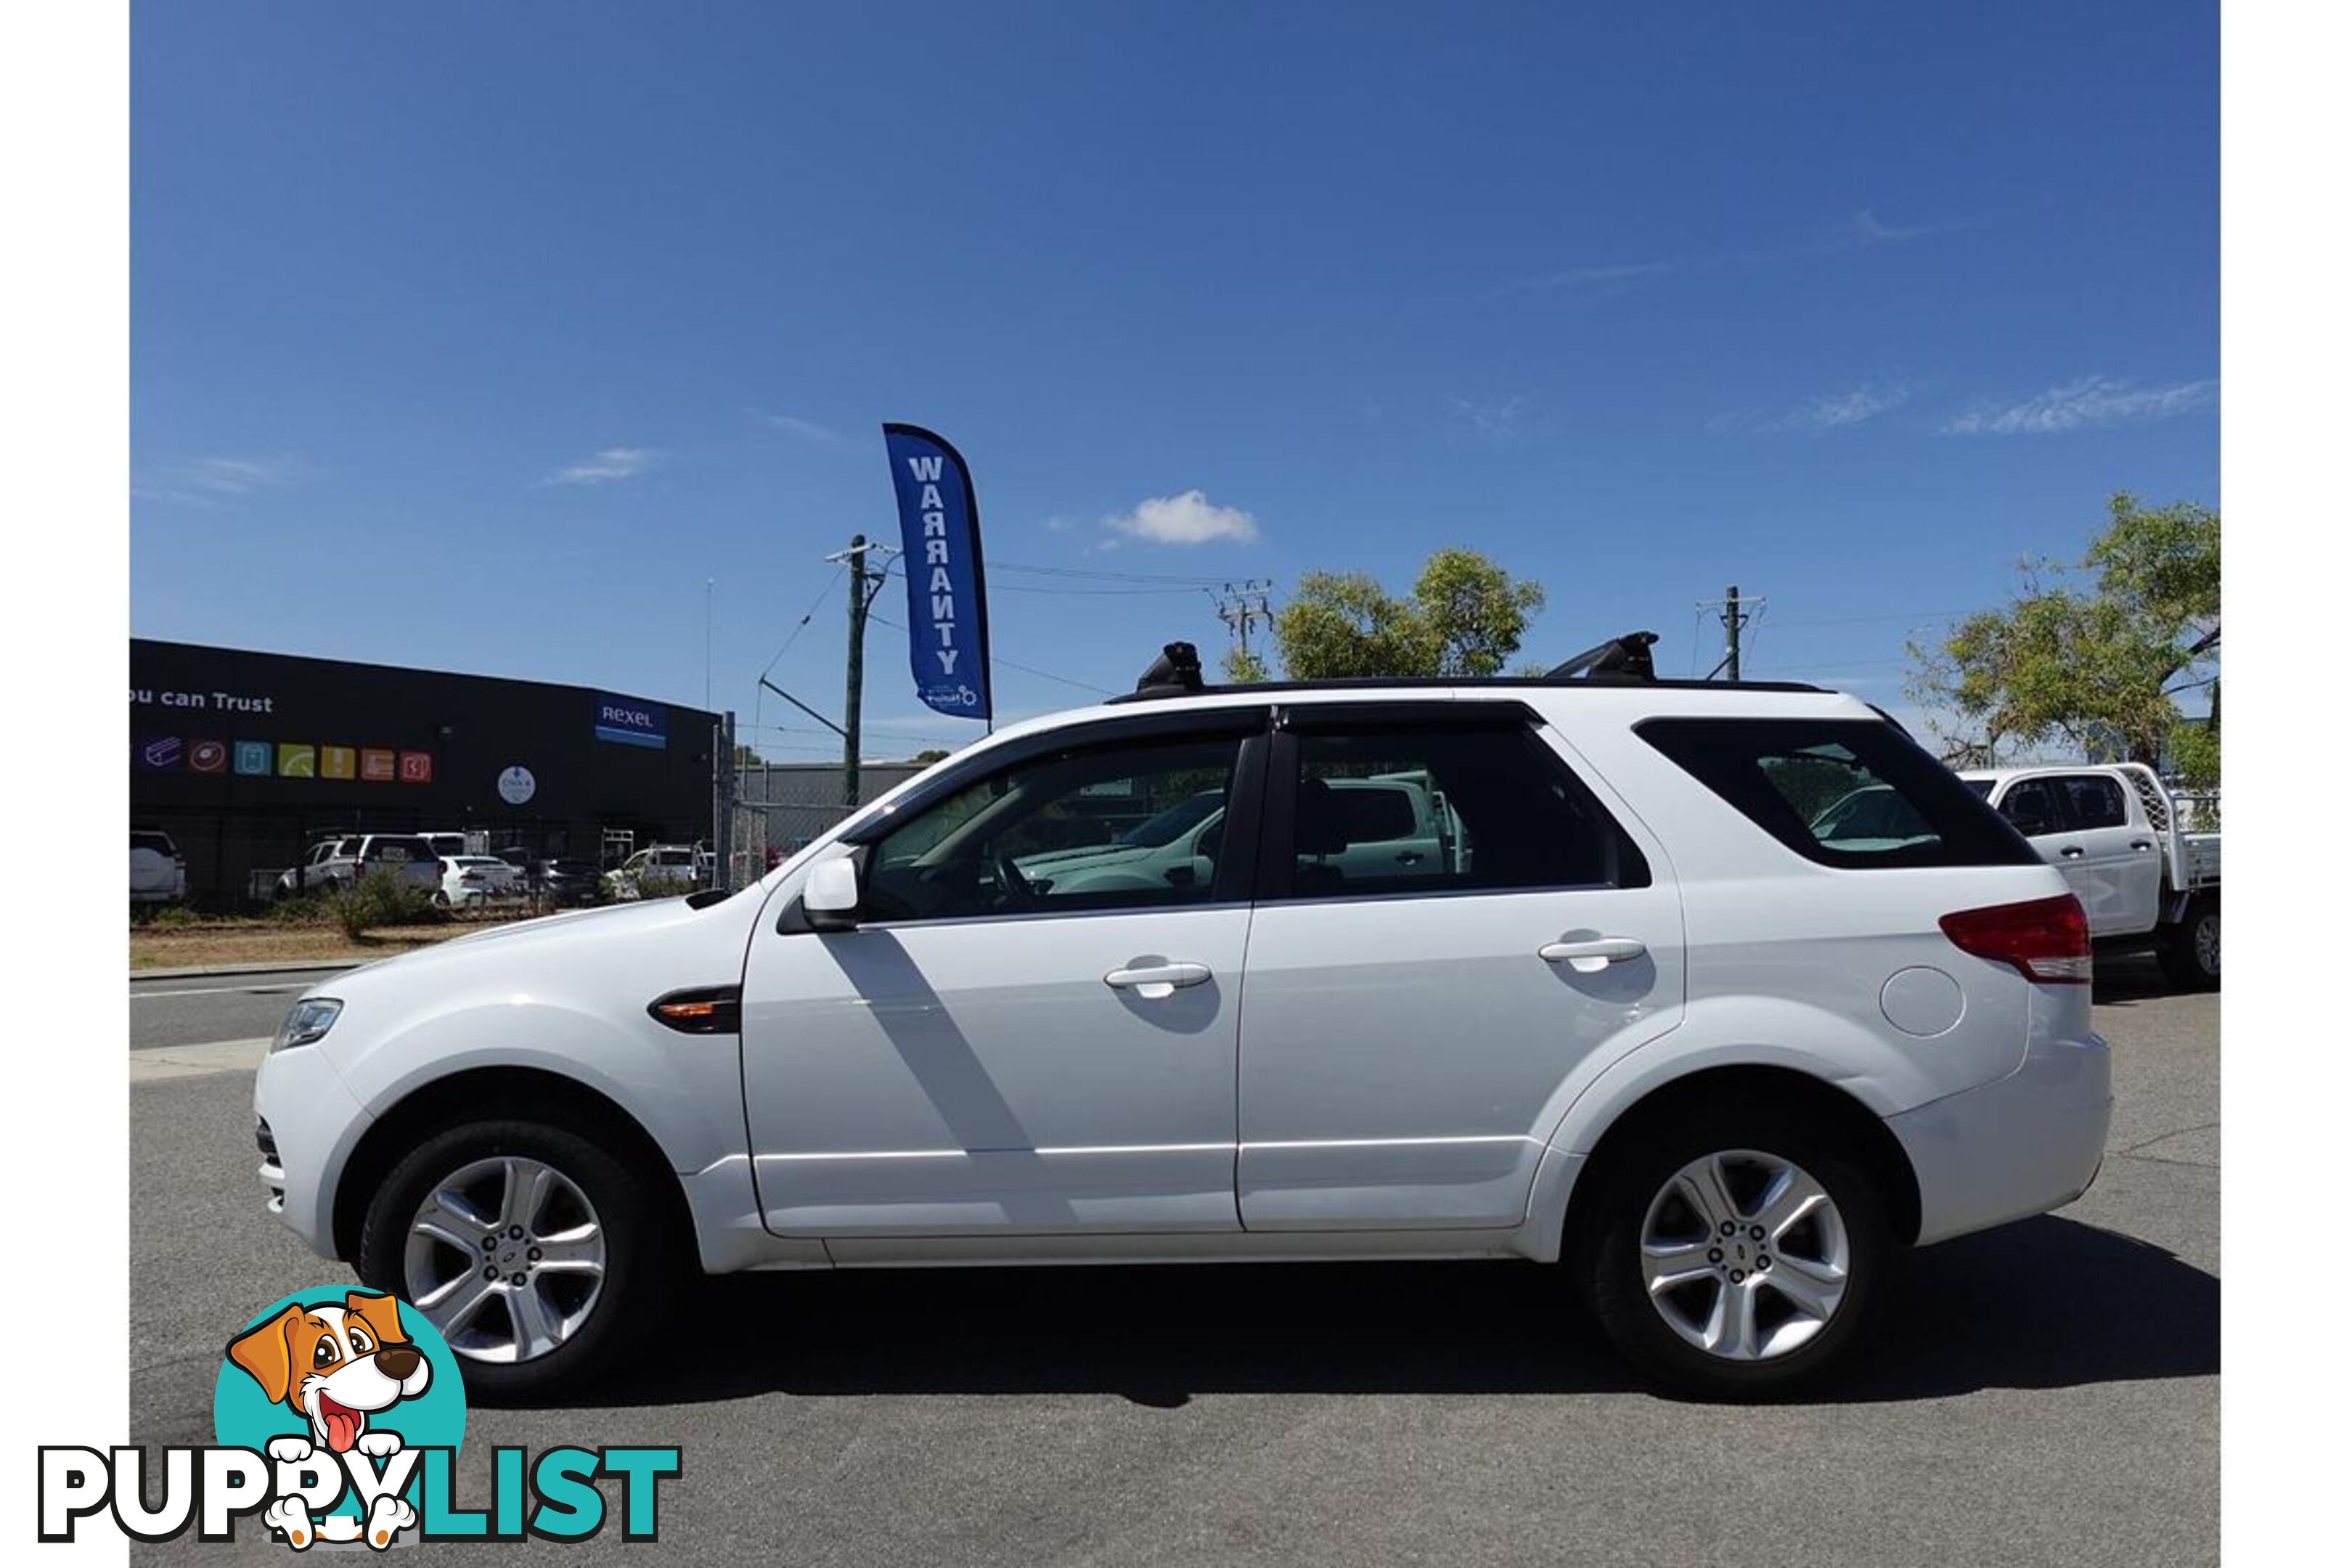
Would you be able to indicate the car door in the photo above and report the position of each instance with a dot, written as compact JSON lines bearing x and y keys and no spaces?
{"x":2037,"y":807}
{"x":989,"y":1055}
{"x":1406,"y":1030}
{"x":2121,"y":869}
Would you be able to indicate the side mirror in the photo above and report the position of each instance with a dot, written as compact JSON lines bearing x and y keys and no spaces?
{"x":830,"y":897}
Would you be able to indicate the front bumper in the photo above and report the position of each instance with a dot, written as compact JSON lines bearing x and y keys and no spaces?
{"x":314,"y":1122}
{"x":2022,"y":1146}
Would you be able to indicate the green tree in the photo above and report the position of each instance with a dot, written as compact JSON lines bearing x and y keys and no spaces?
{"x":2101,"y":661}
{"x":1464,"y":616}
{"x":1244,"y":668}
{"x":929,"y":756}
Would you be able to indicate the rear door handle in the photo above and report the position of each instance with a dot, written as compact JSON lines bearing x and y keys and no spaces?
{"x":1592,"y":955}
{"x":1156,"y":980}
{"x":2076,"y":854}
{"x":2142,"y":844}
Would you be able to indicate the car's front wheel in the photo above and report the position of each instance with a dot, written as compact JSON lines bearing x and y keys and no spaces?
{"x":537,"y":1254}
{"x":1736,"y":1258}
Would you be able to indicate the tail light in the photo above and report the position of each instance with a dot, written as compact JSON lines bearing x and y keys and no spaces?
{"x":2046,"y":940}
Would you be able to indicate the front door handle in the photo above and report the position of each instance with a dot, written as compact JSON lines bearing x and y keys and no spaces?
{"x":2142,"y":844}
{"x":1592,"y":955}
{"x":1156,"y":980}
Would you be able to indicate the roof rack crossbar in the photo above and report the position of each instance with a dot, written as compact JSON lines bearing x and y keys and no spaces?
{"x":1625,"y":657}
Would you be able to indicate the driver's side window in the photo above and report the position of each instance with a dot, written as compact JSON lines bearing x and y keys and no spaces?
{"x":1055,"y":833}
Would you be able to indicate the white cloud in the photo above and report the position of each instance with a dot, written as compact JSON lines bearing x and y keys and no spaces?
{"x":806,"y":429}
{"x":1191,"y":517}
{"x":612,"y":463}
{"x":213,"y":481}
{"x":1840,"y":409}
{"x":2093,"y":402}
{"x":1830,"y":411}
{"x":1612,"y":272}
{"x":1497,"y":422}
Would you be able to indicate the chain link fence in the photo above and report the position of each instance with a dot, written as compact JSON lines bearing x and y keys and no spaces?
{"x":780,"y":808}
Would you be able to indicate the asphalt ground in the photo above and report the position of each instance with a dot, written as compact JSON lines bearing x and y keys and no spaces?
{"x":2042,"y":1393}
{"x":195,"y":1009}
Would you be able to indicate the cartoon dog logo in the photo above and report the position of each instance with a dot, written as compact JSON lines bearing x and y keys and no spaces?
{"x":335,"y":1367}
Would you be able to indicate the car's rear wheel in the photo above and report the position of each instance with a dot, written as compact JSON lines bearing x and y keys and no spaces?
{"x":2191,"y":952}
{"x":537,"y":1254}
{"x":1739,"y":1259}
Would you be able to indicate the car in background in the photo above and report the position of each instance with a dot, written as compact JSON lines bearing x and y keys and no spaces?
{"x":158,"y":874}
{"x":2148,"y":882}
{"x":658,"y":871}
{"x":447,"y":845}
{"x":566,"y":882}
{"x":1396,"y":824}
{"x":335,"y":863}
{"x":467,"y":879}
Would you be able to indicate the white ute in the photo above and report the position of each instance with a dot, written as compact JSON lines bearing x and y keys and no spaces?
{"x":1597,"y":996}
{"x":2147,"y":882}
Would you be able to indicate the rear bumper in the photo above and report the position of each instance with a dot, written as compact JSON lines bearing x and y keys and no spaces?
{"x":2022,"y":1145}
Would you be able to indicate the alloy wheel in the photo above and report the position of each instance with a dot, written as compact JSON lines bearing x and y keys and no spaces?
{"x":1744,"y":1255}
{"x":505,"y":1257}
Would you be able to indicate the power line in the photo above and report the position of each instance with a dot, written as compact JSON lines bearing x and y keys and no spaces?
{"x":1860,"y":620}
{"x":1107,"y":576}
{"x":1028,"y":589}
{"x":1010,"y":663}
{"x":815,"y":606}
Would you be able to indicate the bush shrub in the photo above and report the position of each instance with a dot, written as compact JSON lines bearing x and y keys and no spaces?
{"x":381,"y":899}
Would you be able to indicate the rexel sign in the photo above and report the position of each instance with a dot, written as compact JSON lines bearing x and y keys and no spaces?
{"x":630,"y":722}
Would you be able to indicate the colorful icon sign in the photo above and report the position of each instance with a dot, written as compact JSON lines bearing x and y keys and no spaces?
{"x":377,"y":766}
{"x":163,"y":752}
{"x":208,"y":756}
{"x":337,"y":763}
{"x":297,"y":762}
{"x":417,"y":767}
{"x":253,"y":757}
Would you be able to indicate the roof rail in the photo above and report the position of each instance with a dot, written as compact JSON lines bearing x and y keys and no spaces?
{"x":1624,"y":661}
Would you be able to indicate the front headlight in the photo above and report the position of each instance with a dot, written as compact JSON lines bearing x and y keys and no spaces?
{"x":309,"y":1020}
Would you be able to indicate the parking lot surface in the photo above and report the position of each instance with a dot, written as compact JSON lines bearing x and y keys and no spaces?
{"x":2045,"y":1393}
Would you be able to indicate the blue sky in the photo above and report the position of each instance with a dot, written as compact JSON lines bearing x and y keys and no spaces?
{"x":480,"y":337}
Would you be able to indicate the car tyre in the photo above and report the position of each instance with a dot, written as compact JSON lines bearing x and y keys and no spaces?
{"x":1633,"y":1231}
{"x":587,"y":1323}
{"x":2189,"y":951}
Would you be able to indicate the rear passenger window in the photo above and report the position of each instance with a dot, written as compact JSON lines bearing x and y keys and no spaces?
{"x":1445,"y":809}
{"x":1850,"y":792}
{"x":2033,"y":809}
{"x":2097,"y":801}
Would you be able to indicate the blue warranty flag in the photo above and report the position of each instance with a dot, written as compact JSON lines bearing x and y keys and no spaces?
{"x":947,"y":602}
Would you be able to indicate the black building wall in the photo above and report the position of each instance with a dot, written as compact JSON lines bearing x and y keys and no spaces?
{"x":246,"y":758}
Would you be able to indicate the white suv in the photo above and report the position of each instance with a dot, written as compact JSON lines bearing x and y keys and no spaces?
{"x":1638,"y":1019}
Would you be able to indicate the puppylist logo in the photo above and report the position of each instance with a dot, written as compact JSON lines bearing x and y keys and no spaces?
{"x":338,"y":1413}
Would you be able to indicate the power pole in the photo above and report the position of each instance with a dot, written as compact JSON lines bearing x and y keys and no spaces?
{"x":1732,"y":621}
{"x":1242,"y":606}
{"x":856,"y":699}
{"x":1735,"y":613}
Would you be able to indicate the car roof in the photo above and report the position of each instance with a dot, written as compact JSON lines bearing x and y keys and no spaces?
{"x":2003,"y":775}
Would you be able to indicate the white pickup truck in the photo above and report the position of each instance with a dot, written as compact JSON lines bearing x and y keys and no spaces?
{"x":2123,"y":844}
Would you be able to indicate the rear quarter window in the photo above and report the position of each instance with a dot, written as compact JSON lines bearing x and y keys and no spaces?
{"x":400,"y":850}
{"x":1854,"y":793}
